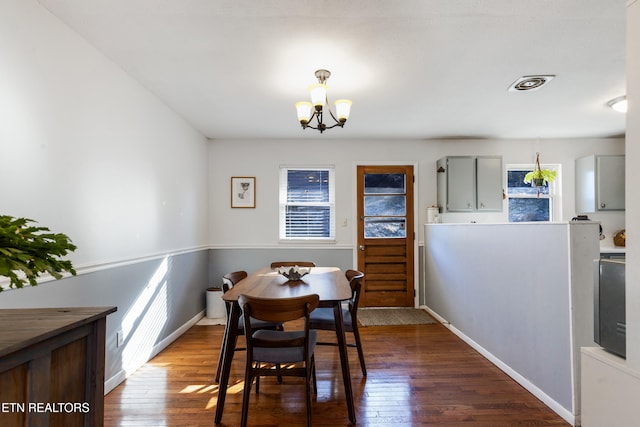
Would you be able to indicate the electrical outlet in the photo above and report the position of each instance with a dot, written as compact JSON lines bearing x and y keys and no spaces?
{"x":119,"y":338}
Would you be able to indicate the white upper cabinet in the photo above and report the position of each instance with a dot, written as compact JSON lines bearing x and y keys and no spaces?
{"x":469,"y":184}
{"x":600,"y":183}
{"x":489,"y":183}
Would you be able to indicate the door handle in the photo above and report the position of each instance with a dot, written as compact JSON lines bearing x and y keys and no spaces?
{"x":362,"y":247}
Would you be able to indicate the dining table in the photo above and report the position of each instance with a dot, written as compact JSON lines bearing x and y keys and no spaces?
{"x":329,"y":283}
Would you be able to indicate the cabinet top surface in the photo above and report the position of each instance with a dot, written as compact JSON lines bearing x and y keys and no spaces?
{"x":22,"y":327}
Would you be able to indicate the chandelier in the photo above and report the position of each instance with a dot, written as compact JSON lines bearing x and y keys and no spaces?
{"x":319,"y":105}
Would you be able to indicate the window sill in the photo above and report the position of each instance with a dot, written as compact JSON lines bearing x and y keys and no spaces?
{"x":308,"y":241}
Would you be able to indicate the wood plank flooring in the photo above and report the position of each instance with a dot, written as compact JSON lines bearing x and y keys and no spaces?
{"x":417,"y":375}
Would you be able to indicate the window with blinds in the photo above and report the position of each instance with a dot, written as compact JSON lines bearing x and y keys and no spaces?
{"x":307,"y":206}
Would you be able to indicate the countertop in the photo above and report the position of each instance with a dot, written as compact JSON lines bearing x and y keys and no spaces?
{"x":607,"y":247}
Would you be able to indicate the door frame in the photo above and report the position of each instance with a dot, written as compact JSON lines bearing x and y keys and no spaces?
{"x":416,"y":217}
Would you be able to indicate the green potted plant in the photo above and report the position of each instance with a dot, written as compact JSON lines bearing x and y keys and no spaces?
{"x":539,"y":177}
{"x":27,"y":250}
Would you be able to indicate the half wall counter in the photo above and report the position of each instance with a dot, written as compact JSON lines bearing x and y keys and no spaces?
{"x":522,"y":295}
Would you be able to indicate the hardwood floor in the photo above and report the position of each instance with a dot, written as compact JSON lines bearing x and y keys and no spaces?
{"x":417,"y":375}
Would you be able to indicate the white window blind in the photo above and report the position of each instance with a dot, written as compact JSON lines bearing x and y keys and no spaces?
{"x":307,"y":203}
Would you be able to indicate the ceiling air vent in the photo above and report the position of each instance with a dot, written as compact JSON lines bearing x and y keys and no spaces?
{"x":525,"y":83}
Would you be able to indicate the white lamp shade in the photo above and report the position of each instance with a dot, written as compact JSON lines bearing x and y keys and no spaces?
{"x":343,"y":108}
{"x":318,"y":93}
{"x":304,"y":111}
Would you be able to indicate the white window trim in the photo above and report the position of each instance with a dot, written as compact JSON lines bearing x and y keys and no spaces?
{"x":282,"y":185}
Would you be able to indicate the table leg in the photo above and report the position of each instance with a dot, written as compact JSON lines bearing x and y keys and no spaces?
{"x":344,"y":360}
{"x":228,"y":346}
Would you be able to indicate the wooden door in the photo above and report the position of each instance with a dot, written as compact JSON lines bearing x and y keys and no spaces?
{"x":386,"y":235}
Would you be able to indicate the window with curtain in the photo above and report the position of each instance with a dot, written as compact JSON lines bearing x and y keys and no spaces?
{"x":307,"y":203}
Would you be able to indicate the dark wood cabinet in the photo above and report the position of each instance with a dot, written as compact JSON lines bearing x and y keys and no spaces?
{"x":52,"y":366}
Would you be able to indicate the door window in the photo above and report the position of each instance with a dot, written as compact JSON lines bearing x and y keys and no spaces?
{"x":385,"y":205}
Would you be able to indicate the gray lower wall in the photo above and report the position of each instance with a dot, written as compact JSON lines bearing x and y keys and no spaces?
{"x":154,"y":299}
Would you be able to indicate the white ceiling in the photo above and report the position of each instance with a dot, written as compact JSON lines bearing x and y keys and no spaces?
{"x":413,"y":68}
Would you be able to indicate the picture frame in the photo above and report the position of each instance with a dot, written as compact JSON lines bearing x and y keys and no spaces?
{"x":243,"y":191}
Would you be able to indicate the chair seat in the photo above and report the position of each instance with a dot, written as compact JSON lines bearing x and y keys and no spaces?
{"x":322,"y":318}
{"x":282,"y":355}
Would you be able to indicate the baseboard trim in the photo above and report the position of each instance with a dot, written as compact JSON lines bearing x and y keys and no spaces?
{"x":121,"y":375}
{"x":533,"y":389}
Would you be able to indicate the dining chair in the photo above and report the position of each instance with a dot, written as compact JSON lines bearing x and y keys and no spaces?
{"x":266,"y":348}
{"x":228,"y":281}
{"x":277,"y":264}
{"x":323,"y":317}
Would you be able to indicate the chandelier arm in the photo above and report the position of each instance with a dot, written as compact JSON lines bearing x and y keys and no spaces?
{"x":323,"y":129}
{"x":332,"y":116}
{"x":334,"y":125}
{"x":308,"y":124}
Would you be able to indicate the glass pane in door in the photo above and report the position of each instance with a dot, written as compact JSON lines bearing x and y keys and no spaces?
{"x":385,"y":205}
{"x":384,"y":183}
{"x":384,"y":227}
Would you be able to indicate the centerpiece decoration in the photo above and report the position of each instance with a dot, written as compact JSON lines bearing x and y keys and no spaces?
{"x":294,"y":273}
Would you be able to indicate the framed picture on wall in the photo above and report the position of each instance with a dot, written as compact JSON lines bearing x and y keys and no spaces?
{"x":243,"y":191}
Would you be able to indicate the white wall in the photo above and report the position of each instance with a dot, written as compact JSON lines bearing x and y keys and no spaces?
{"x":87,"y":151}
{"x":261,"y":158}
{"x":632,"y":184}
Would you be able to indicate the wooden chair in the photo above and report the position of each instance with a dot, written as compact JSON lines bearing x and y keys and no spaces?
{"x":277,"y":264}
{"x":228,"y":281}
{"x":266,"y":348}
{"x":323,"y":318}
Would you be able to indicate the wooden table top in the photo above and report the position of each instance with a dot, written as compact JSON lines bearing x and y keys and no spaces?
{"x":22,"y":327}
{"x":329,"y":283}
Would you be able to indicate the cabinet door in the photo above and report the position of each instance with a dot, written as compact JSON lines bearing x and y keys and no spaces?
{"x":585,"y":193}
{"x":610,"y":178}
{"x":489,"y":183}
{"x":461,"y":184}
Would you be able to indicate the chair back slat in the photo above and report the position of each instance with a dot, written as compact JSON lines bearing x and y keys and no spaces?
{"x":230,"y":279}
{"x":355,"y":282}
{"x":279,"y":309}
